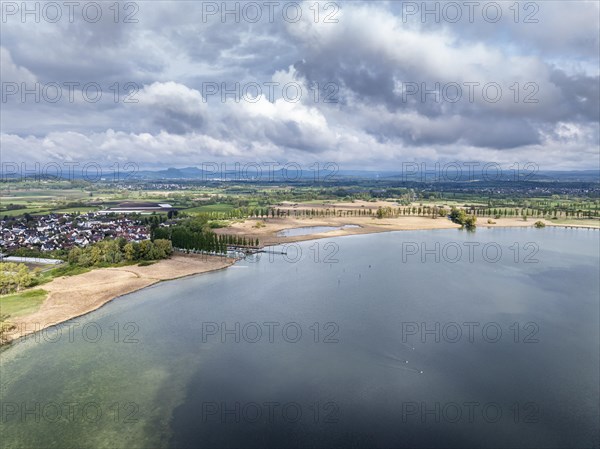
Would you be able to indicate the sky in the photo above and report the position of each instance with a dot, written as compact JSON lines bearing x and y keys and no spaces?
{"x":365,"y":85}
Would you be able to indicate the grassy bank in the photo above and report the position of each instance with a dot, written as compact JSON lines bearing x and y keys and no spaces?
{"x":18,"y":304}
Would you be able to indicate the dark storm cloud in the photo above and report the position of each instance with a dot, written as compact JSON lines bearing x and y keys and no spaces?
{"x":177,"y":123}
{"x":580,"y":95}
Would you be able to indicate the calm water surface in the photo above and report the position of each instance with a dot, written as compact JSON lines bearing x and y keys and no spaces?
{"x":352,"y":342}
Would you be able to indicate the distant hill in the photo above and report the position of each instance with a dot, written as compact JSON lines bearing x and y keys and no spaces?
{"x":194,"y":173}
{"x":411,"y":174}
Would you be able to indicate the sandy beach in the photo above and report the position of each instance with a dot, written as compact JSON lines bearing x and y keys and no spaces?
{"x":73,"y":296}
{"x":266,"y":230}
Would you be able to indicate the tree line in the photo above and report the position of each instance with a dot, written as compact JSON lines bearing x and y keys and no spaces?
{"x":109,"y":252}
{"x":194,"y":234}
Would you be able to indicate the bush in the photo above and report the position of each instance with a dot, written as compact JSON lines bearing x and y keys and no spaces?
{"x":65,"y":270}
{"x":217,"y":224}
{"x":539,"y":224}
{"x":470,"y":222}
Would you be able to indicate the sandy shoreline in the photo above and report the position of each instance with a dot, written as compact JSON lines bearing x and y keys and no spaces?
{"x":74,"y":296}
{"x":267,"y":233}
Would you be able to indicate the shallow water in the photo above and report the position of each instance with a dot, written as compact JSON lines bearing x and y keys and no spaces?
{"x":350,"y":342}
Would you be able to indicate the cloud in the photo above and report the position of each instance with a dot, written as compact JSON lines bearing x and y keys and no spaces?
{"x":11,"y":72}
{"x":365,"y":62}
{"x":175,"y":107}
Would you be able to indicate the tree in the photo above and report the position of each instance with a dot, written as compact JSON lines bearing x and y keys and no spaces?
{"x":164,"y":248}
{"x":130,"y":251}
{"x":460,"y":216}
{"x":145,"y":249}
{"x":74,"y":255}
{"x":14,"y":276}
{"x":95,"y":255}
{"x":470,"y":221}
{"x":110,"y":251}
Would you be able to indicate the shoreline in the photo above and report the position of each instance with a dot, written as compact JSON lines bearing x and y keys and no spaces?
{"x":267,"y":232}
{"x":71,"y":297}
{"x":323,"y":235}
{"x":100,"y":286}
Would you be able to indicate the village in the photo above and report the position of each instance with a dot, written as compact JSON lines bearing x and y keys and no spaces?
{"x":53,"y":232}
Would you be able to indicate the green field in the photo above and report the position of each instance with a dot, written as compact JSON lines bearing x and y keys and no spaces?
{"x":39,"y":201}
{"x":22,"y":303}
{"x":219,"y":207}
{"x":31,"y":211}
{"x":71,"y":210}
{"x":577,"y":221}
{"x":46,"y":210}
{"x":447,"y":202}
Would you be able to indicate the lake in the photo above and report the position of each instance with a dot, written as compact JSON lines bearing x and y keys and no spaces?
{"x":441,"y":338}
